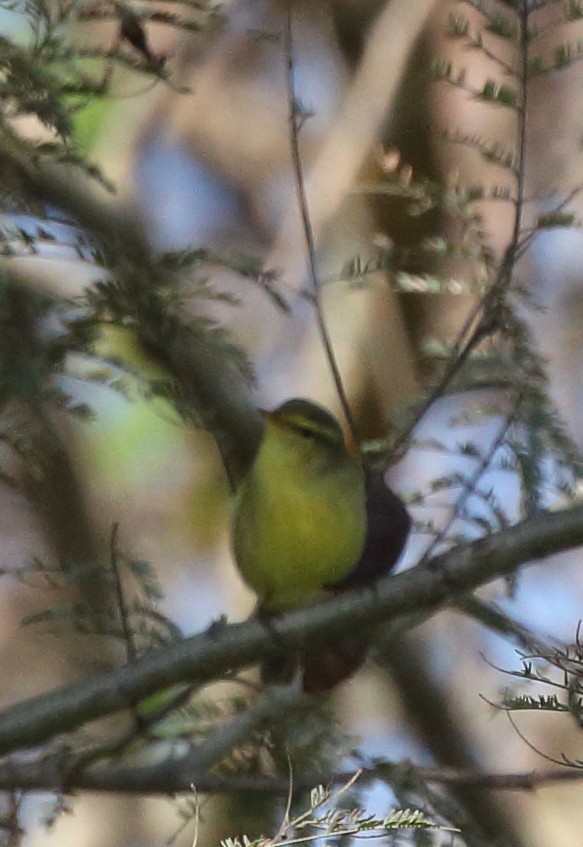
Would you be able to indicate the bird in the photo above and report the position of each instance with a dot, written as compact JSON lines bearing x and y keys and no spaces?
{"x":310,"y":517}
{"x":299,"y":522}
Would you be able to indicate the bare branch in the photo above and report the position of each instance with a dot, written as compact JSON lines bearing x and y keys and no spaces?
{"x":223,"y":649}
{"x":46,"y":773}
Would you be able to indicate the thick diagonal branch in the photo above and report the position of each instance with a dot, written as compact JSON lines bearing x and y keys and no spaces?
{"x":210,"y":655}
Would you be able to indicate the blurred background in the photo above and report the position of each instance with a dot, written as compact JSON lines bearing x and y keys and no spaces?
{"x":205,"y":162}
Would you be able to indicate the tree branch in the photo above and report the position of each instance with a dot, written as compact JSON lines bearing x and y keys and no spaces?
{"x":48,"y":773}
{"x":211,"y":654}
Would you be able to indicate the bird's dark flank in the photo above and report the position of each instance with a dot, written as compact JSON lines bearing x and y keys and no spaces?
{"x":310,"y":517}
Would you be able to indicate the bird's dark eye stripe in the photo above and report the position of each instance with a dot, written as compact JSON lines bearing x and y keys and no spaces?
{"x":305,"y":431}
{"x":316,"y":432}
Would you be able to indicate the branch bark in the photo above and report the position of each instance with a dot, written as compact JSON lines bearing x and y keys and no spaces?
{"x":49,"y":773}
{"x":223,"y":649}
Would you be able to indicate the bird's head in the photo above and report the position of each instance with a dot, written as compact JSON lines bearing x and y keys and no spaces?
{"x":306,"y":433}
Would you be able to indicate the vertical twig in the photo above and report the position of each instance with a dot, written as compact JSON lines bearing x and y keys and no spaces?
{"x":131,"y":652}
{"x":307,"y":226}
{"x":175,"y":700}
{"x":124,"y":613}
{"x":523,"y":43}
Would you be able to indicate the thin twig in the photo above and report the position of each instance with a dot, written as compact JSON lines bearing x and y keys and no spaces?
{"x":488,"y":615}
{"x":124,"y":613}
{"x":220,"y":743}
{"x":470,"y":484}
{"x":565,"y":763}
{"x":478,"y":44}
{"x":462,"y":349}
{"x":293,"y":113}
{"x":523,"y":18}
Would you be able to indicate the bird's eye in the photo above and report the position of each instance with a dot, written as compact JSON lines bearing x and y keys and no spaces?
{"x":305,"y":431}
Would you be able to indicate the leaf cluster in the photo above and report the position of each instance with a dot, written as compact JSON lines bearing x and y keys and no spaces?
{"x":337,"y":822}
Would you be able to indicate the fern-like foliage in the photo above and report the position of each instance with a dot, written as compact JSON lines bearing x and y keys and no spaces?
{"x":494,"y":353}
{"x":339,"y":823}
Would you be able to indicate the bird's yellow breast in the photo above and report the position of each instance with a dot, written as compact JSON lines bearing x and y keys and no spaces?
{"x":299,"y":520}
